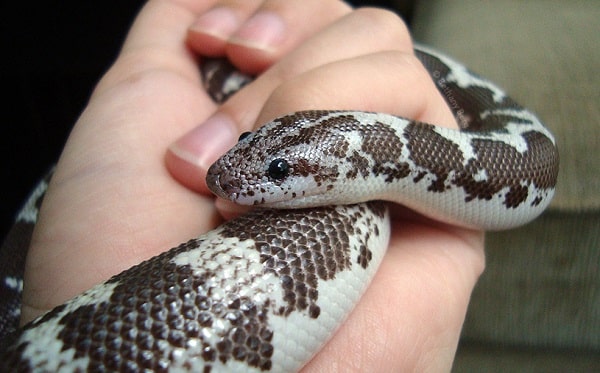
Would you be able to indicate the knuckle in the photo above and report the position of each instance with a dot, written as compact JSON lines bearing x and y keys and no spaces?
{"x":385,"y":24}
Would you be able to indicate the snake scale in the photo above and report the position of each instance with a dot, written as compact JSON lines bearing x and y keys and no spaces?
{"x":265,"y":291}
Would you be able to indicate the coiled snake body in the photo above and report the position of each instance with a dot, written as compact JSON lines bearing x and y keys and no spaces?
{"x":265,"y":291}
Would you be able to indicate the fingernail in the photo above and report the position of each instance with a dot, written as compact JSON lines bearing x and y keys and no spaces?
{"x":205,"y":143}
{"x":264,"y":30}
{"x":219,"y":22}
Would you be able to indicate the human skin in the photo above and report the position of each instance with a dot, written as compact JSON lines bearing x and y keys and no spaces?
{"x":130,"y":181}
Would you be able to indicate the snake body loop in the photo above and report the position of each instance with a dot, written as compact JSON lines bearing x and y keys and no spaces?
{"x":265,"y":291}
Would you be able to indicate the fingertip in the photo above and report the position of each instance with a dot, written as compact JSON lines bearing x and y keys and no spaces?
{"x":186,"y":173}
{"x":205,"y":44}
{"x":219,"y":22}
{"x":264,"y":31}
{"x":258,"y":43}
{"x":251,"y":43}
{"x":189,"y":158}
{"x":208,"y":35}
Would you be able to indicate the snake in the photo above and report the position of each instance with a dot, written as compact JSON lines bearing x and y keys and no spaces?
{"x":265,"y":291}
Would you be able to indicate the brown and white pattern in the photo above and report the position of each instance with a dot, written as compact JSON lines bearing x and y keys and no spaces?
{"x":265,"y":291}
{"x":491,"y":180}
{"x":226,"y":300}
{"x":12,"y":259}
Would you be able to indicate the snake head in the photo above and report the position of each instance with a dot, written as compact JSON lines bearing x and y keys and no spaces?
{"x":292,"y":161}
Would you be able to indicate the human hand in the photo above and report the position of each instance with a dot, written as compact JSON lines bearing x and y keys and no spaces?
{"x":112,"y":204}
{"x":411,"y":316}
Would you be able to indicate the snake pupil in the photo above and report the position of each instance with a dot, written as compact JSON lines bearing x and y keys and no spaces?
{"x":278,"y":169}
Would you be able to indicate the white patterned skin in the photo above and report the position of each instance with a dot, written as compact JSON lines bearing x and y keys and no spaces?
{"x":265,"y":291}
{"x":497,"y":172}
{"x":260,"y":293}
{"x":487,"y":181}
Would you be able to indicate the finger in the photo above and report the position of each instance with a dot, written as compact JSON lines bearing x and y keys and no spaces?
{"x":256,"y":41}
{"x":209,"y":33}
{"x":411,"y":316}
{"x":362,"y":32}
{"x":390,"y":82}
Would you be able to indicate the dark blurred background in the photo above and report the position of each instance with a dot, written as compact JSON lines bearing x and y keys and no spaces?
{"x":54,"y":53}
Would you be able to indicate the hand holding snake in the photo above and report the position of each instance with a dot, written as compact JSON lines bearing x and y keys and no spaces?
{"x":416,"y":247}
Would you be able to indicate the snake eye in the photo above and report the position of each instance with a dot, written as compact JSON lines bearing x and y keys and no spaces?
{"x":243,"y":135}
{"x":279,"y":169}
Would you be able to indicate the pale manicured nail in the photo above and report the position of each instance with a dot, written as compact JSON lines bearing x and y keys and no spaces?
{"x":205,"y":143}
{"x":264,"y":30}
{"x":219,"y":22}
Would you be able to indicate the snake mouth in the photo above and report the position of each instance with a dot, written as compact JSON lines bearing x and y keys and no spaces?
{"x":213,"y":181}
{"x":230,"y":189}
